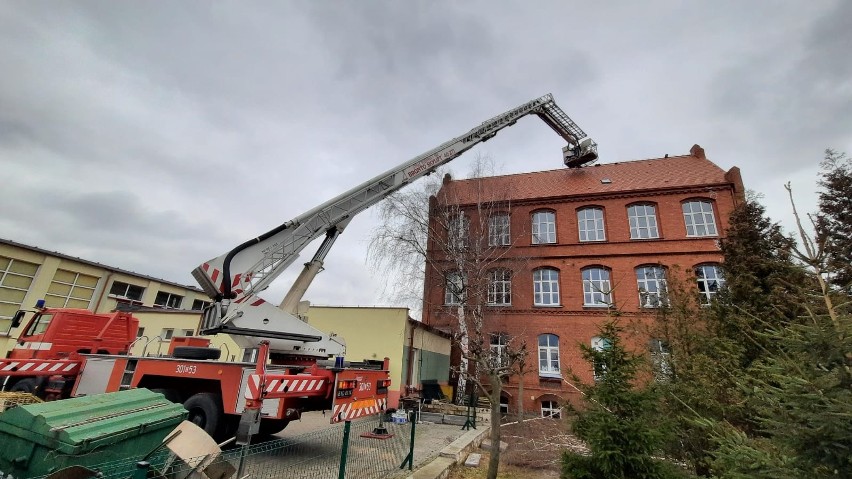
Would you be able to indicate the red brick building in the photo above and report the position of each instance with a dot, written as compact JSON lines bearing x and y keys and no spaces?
{"x":579,"y":242}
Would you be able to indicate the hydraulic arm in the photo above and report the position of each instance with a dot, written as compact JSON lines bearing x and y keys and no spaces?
{"x":234,"y":279}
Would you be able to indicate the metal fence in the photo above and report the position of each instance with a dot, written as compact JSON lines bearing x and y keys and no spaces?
{"x":343,"y":451}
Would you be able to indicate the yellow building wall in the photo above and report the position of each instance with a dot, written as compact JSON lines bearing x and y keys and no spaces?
{"x":370,"y":333}
{"x":100,"y":300}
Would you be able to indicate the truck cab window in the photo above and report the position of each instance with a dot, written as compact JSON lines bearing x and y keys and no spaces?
{"x":39,"y":324}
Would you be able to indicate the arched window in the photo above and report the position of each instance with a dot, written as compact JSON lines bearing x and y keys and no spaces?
{"x":590,"y":222}
{"x":550,"y":409}
{"x":597,"y":289}
{"x":499,"y":287}
{"x":548,"y":356}
{"x":546,"y":287}
{"x":499,"y":341}
{"x":453,"y":288}
{"x":543,"y":227}
{"x":498,"y":230}
{"x":599,"y":345}
{"x":698,"y":217}
{"x":651,"y":281}
{"x":643,"y":221}
{"x":710,"y":281}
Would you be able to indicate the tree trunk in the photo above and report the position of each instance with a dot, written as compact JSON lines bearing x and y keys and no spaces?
{"x":521,"y":394}
{"x":461,"y":387}
{"x":494,"y":460}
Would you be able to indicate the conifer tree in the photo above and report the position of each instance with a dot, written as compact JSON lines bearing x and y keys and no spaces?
{"x":620,"y":422}
{"x":834,"y":222}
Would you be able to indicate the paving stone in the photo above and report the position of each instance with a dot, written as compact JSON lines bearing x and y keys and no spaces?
{"x":473,"y":460}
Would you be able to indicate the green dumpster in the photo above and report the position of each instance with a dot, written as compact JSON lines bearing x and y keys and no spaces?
{"x":38,"y":439}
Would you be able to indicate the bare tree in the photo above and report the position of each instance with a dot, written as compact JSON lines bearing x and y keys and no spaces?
{"x":465,"y":244}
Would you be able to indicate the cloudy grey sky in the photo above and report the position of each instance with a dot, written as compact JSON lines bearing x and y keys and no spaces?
{"x":155,"y":135}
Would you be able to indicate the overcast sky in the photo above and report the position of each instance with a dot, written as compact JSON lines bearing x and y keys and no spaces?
{"x":153,"y":136}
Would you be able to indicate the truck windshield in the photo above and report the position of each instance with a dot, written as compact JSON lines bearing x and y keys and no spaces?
{"x":39,"y":324}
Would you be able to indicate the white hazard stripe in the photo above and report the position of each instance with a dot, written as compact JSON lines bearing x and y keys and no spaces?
{"x":11,"y":366}
{"x":346,"y":412}
{"x":37,"y":366}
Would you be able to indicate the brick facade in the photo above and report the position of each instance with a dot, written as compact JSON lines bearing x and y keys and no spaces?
{"x":665,"y":183}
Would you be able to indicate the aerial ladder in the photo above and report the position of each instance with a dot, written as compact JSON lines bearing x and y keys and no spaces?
{"x":234,"y":279}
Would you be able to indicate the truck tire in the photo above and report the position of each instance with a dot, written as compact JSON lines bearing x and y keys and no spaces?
{"x":205,"y":411}
{"x":26,"y":385}
{"x":269,"y":427}
{"x":193,"y":352}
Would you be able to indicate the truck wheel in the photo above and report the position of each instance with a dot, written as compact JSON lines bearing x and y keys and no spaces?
{"x":193,"y":352}
{"x":205,"y":411}
{"x":27,"y":385}
{"x":269,"y":427}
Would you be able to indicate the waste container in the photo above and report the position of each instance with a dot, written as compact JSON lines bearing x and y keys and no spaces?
{"x":38,"y":439}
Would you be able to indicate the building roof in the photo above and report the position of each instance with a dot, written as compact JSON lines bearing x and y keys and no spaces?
{"x":676,"y":172}
{"x":98,"y":265}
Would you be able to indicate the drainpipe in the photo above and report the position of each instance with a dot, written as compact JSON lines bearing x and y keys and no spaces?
{"x":104,"y":292}
{"x":410,"y":355}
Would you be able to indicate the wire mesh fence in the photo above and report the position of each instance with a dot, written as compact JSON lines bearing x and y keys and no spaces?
{"x":328,"y":453}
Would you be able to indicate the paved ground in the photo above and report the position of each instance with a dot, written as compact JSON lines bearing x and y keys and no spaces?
{"x":313,"y":448}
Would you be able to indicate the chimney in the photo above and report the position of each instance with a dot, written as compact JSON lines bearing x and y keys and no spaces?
{"x":697,"y":152}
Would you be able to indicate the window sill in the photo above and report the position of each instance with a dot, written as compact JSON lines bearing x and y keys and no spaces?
{"x":500,"y":305}
{"x":596,"y":306}
{"x":547,"y":306}
{"x":591,"y":241}
{"x":549,"y":377}
{"x":646,"y":239}
{"x":701,"y":236}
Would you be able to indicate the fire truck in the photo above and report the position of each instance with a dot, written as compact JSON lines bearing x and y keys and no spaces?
{"x":66,"y":352}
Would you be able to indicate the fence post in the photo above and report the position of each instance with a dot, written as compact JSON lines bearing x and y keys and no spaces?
{"x":141,"y":471}
{"x":341,"y":474}
{"x":410,"y":457}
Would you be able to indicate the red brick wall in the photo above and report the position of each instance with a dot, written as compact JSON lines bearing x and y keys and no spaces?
{"x":571,"y":321}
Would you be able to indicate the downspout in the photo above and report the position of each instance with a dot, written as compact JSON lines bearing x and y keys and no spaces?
{"x":104,"y":292}
{"x":410,"y":355}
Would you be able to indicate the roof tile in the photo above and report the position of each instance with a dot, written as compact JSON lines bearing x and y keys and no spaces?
{"x":652,"y":174}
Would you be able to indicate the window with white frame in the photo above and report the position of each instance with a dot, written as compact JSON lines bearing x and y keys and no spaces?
{"x":16,"y":277}
{"x":660,"y":360}
{"x":643,"y":221}
{"x":590,"y":222}
{"x":543,"y":227}
{"x":498,"y":230}
{"x":188,"y":332}
{"x":70,"y":289}
{"x":453,"y":288}
{"x":548,"y":356}
{"x":546,"y":287}
{"x":167,"y":333}
{"x":458,"y":230}
{"x":504,"y":404}
{"x":651,"y":281}
{"x":499,"y":287}
{"x":710,"y":281}
{"x":126,"y":291}
{"x":599,"y":345}
{"x":140,"y":332}
{"x":168,"y":300}
{"x":597,"y":290}
{"x":698,"y":217}
{"x":499,"y":341}
{"x":551,"y":409}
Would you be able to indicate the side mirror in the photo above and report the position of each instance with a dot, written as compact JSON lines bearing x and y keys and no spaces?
{"x":18,"y":317}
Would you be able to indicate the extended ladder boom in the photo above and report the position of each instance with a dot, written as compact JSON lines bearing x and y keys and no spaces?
{"x":249,"y":268}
